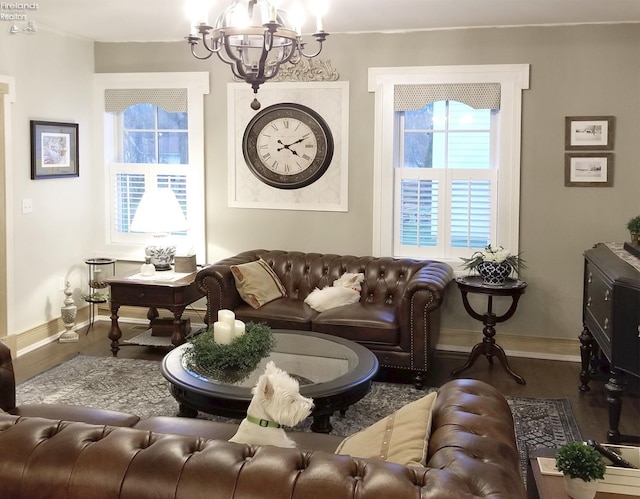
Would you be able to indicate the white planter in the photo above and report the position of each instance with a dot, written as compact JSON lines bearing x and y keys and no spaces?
{"x":579,"y":489}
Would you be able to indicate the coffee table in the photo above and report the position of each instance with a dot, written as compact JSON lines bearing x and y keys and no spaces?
{"x":334,"y":372}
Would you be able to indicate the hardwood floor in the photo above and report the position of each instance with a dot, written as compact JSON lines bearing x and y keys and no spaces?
{"x":545,"y":378}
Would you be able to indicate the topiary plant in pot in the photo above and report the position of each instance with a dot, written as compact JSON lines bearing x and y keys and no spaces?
{"x":633,"y":226}
{"x":581,"y":465}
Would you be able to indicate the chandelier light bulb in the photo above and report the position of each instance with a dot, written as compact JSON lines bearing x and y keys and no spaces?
{"x":319,"y":8}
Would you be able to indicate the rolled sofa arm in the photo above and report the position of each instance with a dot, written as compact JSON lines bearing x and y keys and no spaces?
{"x":217,"y":284}
{"x":7,"y":379}
{"x":434,"y":277}
{"x":472,"y":436}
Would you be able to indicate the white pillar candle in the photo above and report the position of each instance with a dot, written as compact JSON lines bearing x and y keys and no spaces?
{"x":239,"y":328}
{"x":222,"y":333}
{"x":227,"y":316}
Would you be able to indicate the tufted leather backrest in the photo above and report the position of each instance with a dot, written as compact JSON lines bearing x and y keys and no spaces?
{"x":385,"y":279}
{"x":41,"y":458}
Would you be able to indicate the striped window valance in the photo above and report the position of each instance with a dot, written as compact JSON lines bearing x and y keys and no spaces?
{"x":172,"y":100}
{"x":475,"y":95}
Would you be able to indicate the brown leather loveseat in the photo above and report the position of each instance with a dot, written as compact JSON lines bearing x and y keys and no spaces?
{"x":397,"y":316}
{"x":50,"y":451}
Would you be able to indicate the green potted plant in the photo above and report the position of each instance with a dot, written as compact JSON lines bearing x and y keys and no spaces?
{"x":581,"y":466}
{"x":633,"y":226}
{"x":494,"y":264}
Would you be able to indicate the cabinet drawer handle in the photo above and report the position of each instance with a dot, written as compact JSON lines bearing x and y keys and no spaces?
{"x":606,"y":323}
{"x":638,"y":331}
{"x":588,"y":301}
{"x":590,"y":277}
{"x":606,"y":295}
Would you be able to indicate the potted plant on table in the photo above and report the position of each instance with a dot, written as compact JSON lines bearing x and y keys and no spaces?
{"x":581,"y":466}
{"x":494,"y":264}
{"x":633,"y":226}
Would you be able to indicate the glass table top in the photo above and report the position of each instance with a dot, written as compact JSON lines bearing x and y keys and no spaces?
{"x":309,"y":359}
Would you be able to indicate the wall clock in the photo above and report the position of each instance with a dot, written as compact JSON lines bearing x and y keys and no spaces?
{"x":287,"y":146}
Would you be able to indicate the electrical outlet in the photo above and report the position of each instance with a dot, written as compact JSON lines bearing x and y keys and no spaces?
{"x":27,"y":206}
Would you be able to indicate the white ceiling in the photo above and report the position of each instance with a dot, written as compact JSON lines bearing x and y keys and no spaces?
{"x":165,"y":20}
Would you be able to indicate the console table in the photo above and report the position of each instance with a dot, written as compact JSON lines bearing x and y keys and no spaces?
{"x":611,"y":323}
{"x":513,"y":288}
{"x":170,"y":291}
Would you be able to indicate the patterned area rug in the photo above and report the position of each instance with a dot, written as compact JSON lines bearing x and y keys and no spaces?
{"x":137,"y":386}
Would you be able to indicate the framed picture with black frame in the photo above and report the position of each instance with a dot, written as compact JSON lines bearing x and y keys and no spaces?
{"x":54,"y":150}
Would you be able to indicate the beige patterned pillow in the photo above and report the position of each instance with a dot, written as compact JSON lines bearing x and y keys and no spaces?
{"x":401,"y":438}
{"x":257,"y":283}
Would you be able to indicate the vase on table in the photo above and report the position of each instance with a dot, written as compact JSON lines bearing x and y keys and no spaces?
{"x":577,"y":488}
{"x":494,"y":273}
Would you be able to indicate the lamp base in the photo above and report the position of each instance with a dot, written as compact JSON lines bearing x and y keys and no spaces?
{"x":162,"y":268}
{"x":161,"y":256}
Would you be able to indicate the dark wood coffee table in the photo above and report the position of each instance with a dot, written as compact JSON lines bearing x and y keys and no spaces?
{"x":334,"y":372}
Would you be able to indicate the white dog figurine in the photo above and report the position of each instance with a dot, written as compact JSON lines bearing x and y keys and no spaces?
{"x":276,"y":403}
{"x":345,"y":291}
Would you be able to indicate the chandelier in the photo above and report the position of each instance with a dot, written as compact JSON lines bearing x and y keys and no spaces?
{"x":255,"y":37}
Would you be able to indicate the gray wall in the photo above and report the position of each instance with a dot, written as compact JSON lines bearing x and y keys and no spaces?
{"x":575,"y":71}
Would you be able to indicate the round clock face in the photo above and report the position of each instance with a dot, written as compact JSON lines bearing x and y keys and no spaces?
{"x":287,"y":146}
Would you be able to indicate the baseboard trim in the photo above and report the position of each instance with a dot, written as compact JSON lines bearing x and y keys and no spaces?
{"x":532,"y":347}
{"x":451,"y":340}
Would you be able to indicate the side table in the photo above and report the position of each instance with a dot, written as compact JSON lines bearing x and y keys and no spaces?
{"x":513,"y":288}
{"x":169,"y":291}
{"x":541,"y":486}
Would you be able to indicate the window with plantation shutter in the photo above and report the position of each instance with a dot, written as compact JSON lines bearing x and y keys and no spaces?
{"x":153,"y":138}
{"x":446,"y":179}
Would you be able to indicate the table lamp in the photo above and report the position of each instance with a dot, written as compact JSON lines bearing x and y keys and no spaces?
{"x":159,"y":214}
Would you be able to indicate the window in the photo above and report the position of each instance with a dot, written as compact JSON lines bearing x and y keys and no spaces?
{"x":153,"y":138}
{"x":446,"y":177}
{"x":149,"y":134}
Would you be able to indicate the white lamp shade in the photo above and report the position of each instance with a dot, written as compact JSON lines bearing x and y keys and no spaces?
{"x":159,"y":213}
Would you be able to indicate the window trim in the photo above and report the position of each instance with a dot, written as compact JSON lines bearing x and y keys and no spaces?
{"x":106,"y":146}
{"x":513,"y":78}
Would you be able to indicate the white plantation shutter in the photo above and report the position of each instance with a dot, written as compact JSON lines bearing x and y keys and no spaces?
{"x":471,"y":220}
{"x":418,"y":215}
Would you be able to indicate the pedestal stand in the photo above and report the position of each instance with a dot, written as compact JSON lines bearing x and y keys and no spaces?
{"x":488,"y":347}
{"x":68,"y":312}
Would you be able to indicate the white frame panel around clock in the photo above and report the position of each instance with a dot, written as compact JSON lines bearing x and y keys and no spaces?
{"x":329,"y":192}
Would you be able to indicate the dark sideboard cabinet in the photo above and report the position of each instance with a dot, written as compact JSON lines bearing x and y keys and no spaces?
{"x":611,"y":320}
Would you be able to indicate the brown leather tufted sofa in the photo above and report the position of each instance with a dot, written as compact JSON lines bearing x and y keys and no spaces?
{"x":397,"y":316}
{"x":471,"y":454}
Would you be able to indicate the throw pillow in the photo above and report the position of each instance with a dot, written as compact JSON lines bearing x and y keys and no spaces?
{"x":401,"y":438}
{"x":257,"y":283}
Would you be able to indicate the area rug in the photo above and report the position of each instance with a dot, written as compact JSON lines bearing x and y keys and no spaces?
{"x":138,"y":387}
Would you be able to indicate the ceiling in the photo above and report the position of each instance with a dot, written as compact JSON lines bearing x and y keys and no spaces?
{"x":165,"y":20}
